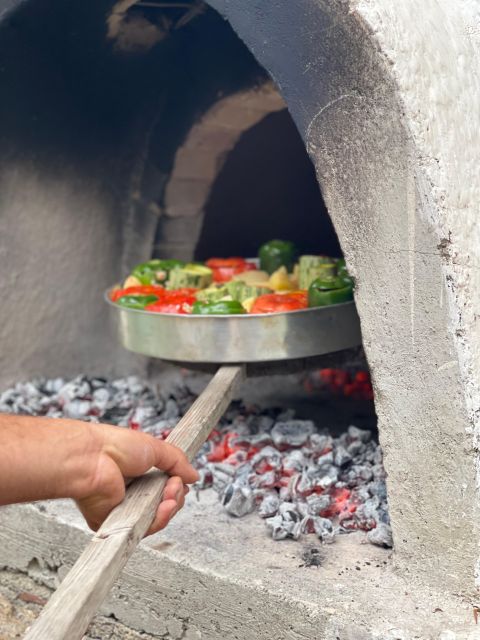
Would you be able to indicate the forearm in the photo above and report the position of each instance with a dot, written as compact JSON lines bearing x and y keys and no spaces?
{"x":45,"y":458}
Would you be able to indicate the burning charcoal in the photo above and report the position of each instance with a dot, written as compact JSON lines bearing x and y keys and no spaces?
{"x":7,"y":397}
{"x":369,"y":453}
{"x":265,"y":480}
{"x":98,"y":383}
{"x":324,"y":460}
{"x":378,"y":488}
{"x":363,"y":472}
{"x":171,"y":411}
{"x":101,"y":399}
{"x":288,"y":512}
{"x":244,"y":472}
{"x":261,"y":440}
{"x":74,"y":390}
{"x":294,"y":461}
{"x":341,"y":456}
{"x":317,"y":503}
{"x":378,"y":456}
{"x":383,"y":515}
{"x":54,"y":386}
{"x":54,"y":413}
{"x":236,"y":458}
{"x":297,"y":478}
{"x":220,"y":477}
{"x":286,"y":415}
{"x":302,"y":508}
{"x":356,"y":447}
{"x":323,"y":527}
{"x":359,"y":434}
{"x":276,"y":528}
{"x":240,"y":426}
{"x":293,"y":433}
{"x":328,"y":478}
{"x":270,"y":456}
{"x":123,"y":400}
{"x":135,"y":385}
{"x":321,"y":442}
{"x":141,"y":416}
{"x":368,"y":509}
{"x":269,"y":505}
{"x":77,"y":409}
{"x":264,"y":424}
{"x":223,"y":467}
{"x":205,"y":479}
{"x":300,"y":485}
{"x":159,"y":427}
{"x":282,"y":528}
{"x":238,"y":500}
{"x":361,"y":493}
{"x":381,"y":536}
{"x":378,"y":471}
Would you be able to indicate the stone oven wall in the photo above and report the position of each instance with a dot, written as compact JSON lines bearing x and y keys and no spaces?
{"x":386,"y":97}
{"x":84,"y":110}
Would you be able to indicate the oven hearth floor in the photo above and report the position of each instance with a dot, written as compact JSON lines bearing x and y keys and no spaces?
{"x":211,"y":577}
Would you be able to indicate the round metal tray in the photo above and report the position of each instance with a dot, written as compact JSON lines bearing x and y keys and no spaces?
{"x":238,"y":338}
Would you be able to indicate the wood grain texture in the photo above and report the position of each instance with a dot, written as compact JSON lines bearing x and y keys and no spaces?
{"x":72,"y":606}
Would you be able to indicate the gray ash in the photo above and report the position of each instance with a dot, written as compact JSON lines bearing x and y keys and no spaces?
{"x":300,"y":479}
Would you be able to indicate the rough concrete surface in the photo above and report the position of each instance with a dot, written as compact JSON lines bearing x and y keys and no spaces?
{"x":22,"y":599}
{"x":213,"y":577}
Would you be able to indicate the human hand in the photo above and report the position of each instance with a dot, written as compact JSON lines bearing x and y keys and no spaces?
{"x":120,"y":455}
{"x":44,"y":458}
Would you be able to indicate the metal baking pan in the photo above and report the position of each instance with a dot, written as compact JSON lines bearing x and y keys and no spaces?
{"x":238,"y":338}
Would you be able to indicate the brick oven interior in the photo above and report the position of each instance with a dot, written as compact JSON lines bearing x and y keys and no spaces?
{"x":191,"y":129}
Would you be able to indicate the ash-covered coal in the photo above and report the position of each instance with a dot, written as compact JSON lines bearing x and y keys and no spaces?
{"x":300,"y":479}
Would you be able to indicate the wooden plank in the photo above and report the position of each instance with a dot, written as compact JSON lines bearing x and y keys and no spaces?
{"x":70,"y":609}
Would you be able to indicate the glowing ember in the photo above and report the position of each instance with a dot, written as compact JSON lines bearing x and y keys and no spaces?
{"x":297,"y":477}
{"x":340,"y":382}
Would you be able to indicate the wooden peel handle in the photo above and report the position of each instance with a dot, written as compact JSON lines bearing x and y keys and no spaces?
{"x":71,"y":608}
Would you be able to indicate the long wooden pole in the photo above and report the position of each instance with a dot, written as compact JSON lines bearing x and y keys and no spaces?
{"x":71,"y":608}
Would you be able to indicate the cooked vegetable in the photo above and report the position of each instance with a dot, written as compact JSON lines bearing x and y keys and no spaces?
{"x":131,"y":281}
{"x":276,"y":254}
{"x":225,"y":286}
{"x":180,"y":301}
{"x":224,"y":269}
{"x":255,"y":278}
{"x":191,"y":275}
{"x":136,"y":302}
{"x":280,"y":280}
{"x":335,"y":290}
{"x":312,"y":267}
{"x":241,"y":291}
{"x":248,"y":304}
{"x":213,"y":293}
{"x":279,"y":302}
{"x":220,"y":308}
{"x":142,"y":290}
{"x":155,"y":271}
